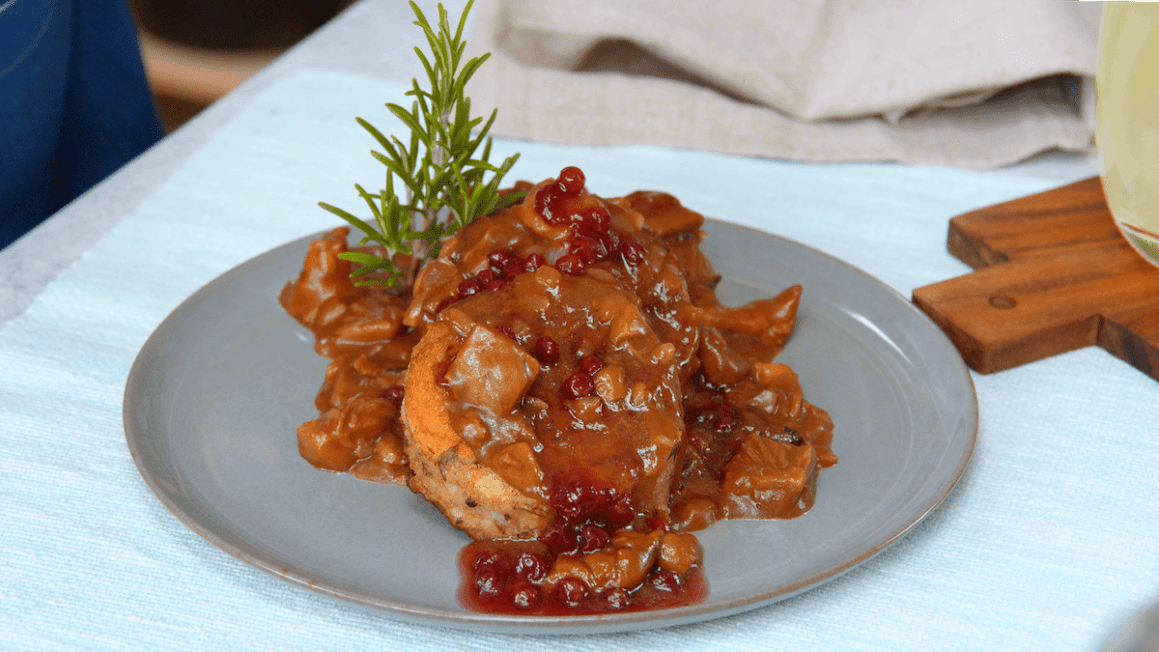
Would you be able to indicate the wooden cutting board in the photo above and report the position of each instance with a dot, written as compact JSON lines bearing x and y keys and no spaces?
{"x":1053,"y":274}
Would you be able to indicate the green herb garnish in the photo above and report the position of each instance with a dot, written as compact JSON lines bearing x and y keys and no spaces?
{"x":445,"y":188}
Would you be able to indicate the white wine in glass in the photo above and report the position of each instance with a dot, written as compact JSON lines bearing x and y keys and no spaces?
{"x":1127,"y":120}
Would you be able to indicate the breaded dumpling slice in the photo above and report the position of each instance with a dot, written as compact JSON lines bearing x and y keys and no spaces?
{"x":448,"y":470}
{"x":536,"y":396}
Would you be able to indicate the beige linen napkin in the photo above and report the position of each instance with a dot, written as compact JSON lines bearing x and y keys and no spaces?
{"x":977,"y":84}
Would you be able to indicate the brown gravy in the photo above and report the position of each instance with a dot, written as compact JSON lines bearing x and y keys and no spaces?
{"x":644,"y":368}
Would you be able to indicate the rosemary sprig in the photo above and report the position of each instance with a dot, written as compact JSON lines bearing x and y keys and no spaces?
{"x":444,"y":180}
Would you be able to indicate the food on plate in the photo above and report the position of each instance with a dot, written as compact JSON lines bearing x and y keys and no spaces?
{"x":549,"y":368}
{"x":562,"y":383}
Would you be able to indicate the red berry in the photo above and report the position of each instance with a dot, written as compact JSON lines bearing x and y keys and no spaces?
{"x":394,"y":393}
{"x":492,"y":573}
{"x":506,"y":330}
{"x":546,"y":350}
{"x":656,"y":523}
{"x":500,"y":258}
{"x":494,"y":285}
{"x":486,"y":276}
{"x":576,"y":501}
{"x":591,"y":364}
{"x":592,"y":538}
{"x":592,"y":222}
{"x":586,"y":248}
{"x":443,"y":304}
{"x":511,"y":269}
{"x":618,"y":598}
{"x":490,"y":583}
{"x":469,"y":287}
{"x":632,"y":251}
{"x":611,"y":242}
{"x":559,"y":538}
{"x":666,"y":581}
{"x":531,"y":566}
{"x":545,"y":204}
{"x":526,"y":596}
{"x":578,"y":385}
{"x":494,"y":559}
{"x":571,"y":180}
{"x":571,"y":592}
{"x":570,"y":264}
{"x":602,"y":219}
{"x":533,"y":262}
{"x":620,"y":512}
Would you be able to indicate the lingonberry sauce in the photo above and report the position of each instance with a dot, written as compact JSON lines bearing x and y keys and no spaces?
{"x":546,"y":350}
{"x":572,"y":264}
{"x":591,"y":364}
{"x":492,"y":586}
{"x":578,"y":385}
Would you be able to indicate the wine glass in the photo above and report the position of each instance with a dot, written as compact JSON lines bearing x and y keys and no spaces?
{"x":1127,"y":120}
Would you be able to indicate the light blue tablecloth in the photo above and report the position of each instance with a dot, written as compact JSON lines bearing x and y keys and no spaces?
{"x":1048,"y":540}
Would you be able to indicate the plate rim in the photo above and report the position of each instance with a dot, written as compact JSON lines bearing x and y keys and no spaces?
{"x":530,"y":624}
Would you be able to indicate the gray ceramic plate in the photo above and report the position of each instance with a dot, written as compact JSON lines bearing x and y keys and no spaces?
{"x":214,"y":397}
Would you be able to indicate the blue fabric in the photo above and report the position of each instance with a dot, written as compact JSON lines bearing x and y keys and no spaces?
{"x":74,"y":104}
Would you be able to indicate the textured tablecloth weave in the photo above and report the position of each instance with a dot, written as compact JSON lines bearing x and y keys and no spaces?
{"x":1047,"y":541}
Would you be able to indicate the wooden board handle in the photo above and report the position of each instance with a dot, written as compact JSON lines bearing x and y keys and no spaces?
{"x":1054,"y":275}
